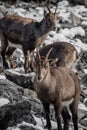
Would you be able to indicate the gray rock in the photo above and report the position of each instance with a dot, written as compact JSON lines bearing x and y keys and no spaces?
{"x":85,"y":101}
{"x":82,"y":111}
{"x":12,"y":114}
{"x":10,"y":90}
{"x":78,"y":2}
{"x":30,"y":127}
{"x":83,"y":122}
{"x":75,"y":20}
{"x":19,"y":77}
{"x":84,"y":80}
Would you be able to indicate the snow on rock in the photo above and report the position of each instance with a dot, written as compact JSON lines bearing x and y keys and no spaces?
{"x":3,"y":101}
{"x":65,"y":16}
{"x":84,"y":23}
{"x":13,"y":128}
{"x":70,"y":33}
{"x":2,"y":76}
{"x":59,"y":37}
{"x":29,"y":126}
{"x":78,"y":31}
{"x":63,"y":4}
{"x":75,"y":17}
{"x":82,"y":107}
{"x":80,"y":44}
{"x":42,"y":122}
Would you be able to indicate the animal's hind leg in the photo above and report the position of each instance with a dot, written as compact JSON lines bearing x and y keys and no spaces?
{"x":9,"y":55}
{"x":66,"y":118}
{"x":73,"y":108}
{"x":4,"y":44}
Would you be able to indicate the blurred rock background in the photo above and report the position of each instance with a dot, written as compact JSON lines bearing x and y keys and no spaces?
{"x":19,"y":107}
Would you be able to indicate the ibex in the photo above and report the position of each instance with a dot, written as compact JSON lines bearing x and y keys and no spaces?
{"x":59,"y":86}
{"x":26,"y":32}
{"x":64,"y":51}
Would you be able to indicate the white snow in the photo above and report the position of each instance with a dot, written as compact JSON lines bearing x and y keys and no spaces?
{"x":70,"y":33}
{"x":82,"y":107}
{"x":59,"y":37}
{"x":80,"y":44}
{"x":65,"y":34}
{"x":2,"y":76}
{"x":84,"y":23}
{"x":13,"y":128}
{"x":42,"y":122}
{"x":3,"y":101}
{"x":85,"y":71}
{"x":31,"y":125}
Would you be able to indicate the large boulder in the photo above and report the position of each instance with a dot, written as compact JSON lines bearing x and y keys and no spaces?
{"x":19,"y":77}
{"x":10,"y":90}
{"x":12,"y":114}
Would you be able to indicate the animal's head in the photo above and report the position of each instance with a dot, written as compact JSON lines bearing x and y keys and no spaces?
{"x":51,"y":18}
{"x":42,"y":66}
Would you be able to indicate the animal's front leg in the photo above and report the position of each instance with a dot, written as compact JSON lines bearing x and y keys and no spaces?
{"x":26,"y":64}
{"x":9,"y":55}
{"x":58,"y":109}
{"x":4,"y":44}
{"x":47,"y":112}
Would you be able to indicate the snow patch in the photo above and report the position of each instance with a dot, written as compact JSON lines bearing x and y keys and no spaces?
{"x":3,"y":101}
{"x":82,"y":107}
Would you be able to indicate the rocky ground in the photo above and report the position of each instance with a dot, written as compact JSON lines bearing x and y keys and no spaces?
{"x":19,"y":107}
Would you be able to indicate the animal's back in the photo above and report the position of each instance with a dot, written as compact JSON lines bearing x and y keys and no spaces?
{"x":65,"y":52}
{"x":13,"y":27}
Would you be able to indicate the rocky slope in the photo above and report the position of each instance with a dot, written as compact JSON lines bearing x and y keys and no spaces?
{"x":19,"y":107}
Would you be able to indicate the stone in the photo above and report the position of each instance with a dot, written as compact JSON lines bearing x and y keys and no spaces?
{"x":19,"y":77}
{"x":10,"y":90}
{"x":3,"y":101}
{"x":12,"y":114}
{"x":84,"y":80}
{"x":82,"y":111}
{"x":84,"y":2}
{"x":83,"y":122}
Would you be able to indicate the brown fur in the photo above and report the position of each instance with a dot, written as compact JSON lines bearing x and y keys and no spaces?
{"x":28,"y":33}
{"x":25,"y":21}
{"x":56,"y":86}
{"x":64,"y":51}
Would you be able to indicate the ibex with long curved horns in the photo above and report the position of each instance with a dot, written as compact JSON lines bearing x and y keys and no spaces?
{"x":59,"y":86}
{"x":26,"y":32}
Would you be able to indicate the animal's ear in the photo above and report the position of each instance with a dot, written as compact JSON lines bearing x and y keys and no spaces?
{"x":54,"y":61}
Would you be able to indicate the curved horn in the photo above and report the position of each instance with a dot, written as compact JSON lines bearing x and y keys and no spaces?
{"x":48,"y":9}
{"x":38,"y":54}
{"x":55,"y":9}
{"x":48,"y":54}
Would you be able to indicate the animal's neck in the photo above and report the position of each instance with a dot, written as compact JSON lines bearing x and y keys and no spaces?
{"x":48,"y":78}
{"x":44,"y":27}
